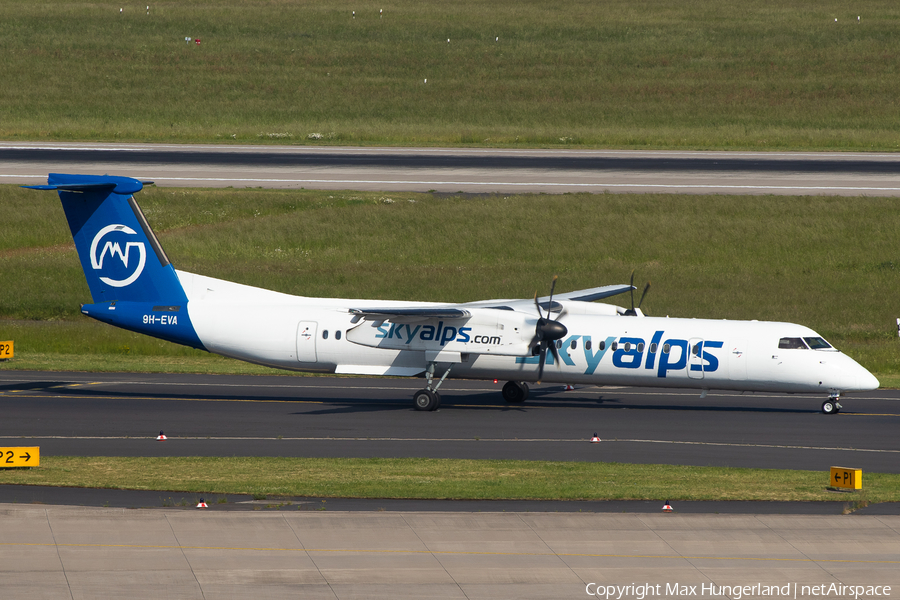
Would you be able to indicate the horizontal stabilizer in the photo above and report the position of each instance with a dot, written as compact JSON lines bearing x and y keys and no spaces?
{"x":91,"y":183}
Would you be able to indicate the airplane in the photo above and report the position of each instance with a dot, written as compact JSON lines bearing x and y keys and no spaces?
{"x":564,"y":338}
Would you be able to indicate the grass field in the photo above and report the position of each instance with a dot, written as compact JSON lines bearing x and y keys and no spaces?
{"x":433,"y":478}
{"x":650,"y":73}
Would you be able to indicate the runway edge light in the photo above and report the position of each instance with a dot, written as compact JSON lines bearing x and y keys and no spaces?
{"x":844,"y":478}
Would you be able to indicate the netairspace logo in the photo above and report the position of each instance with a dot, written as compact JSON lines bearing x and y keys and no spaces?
{"x":112,"y":248}
{"x":735,"y":592}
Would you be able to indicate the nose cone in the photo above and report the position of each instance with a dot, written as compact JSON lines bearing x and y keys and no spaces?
{"x":867,"y":382}
{"x":847,"y":375}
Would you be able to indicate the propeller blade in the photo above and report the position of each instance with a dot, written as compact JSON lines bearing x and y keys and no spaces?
{"x":646,"y":288}
{"x":632,"y":290}
{"x":538,"y":307}
{"x":542,"y":361}
{"x":555,"y":354}
{"x":552,"y":287}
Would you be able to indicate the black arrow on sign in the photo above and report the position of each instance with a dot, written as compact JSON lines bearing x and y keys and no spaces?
{"x":27,"y":457}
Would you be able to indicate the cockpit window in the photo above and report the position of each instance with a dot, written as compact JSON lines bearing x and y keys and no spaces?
{"x":817,"y":343}
{"x":792,"y":344}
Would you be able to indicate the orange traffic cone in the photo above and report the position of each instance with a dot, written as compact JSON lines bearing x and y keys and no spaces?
{"x":667,"y":507}
{"x":161,"y":436}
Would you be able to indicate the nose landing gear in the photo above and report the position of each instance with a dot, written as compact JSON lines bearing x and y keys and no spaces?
{"x":832,"y":405}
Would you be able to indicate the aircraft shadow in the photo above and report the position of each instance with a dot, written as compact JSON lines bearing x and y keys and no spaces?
{"x":486,"y":401}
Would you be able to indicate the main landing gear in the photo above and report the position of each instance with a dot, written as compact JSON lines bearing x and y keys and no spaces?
{"x":429,"y":399}
{"x":832,"y":405}
{"x":515,"y":391}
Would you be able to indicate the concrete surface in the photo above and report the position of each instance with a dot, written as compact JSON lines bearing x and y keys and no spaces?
{"x":64,"y":552}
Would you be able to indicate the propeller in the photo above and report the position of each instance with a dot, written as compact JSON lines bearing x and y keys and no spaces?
{"x":631,"y":312}
{"x":547,"y":332}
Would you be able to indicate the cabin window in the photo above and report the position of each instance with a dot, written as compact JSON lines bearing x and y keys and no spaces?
{"x":666,"y":348}
{"x":587,"y":345}
{"x":627,"y":346}
{"x":817,"y":343}
{"x":615,"y":346}
{"x":641,"y":347}
{"x":324,"y":334}
{"x":603,"y":345}
{"x":337,"y":334}
{"x":696,"y":350}
{"x":789,"y":343}
{"x":558,"y":344}
{"x":653,"y":348}
{"x":574,"y":344}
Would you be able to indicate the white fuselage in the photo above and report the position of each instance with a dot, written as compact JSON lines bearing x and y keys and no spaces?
{"x":601,"y":346}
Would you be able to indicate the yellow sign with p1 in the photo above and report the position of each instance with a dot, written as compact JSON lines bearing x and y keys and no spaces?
{"x":842,"y":477}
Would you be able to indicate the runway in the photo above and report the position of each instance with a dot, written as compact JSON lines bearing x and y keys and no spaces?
{"x":469,"y":170}
{"x":120,"y":414}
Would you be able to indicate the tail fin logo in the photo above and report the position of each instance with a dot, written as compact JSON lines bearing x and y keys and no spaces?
{"x":112,"y":249}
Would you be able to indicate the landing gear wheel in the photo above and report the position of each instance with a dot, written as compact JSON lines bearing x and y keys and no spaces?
{"x":829,"y":407}
{"x":426,"y":400}
{"x":515,"y":392}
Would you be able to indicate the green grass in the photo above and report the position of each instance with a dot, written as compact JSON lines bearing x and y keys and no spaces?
{"x":433,"y":478}
{"x":830,"y":263}
{"x":697,"y":73}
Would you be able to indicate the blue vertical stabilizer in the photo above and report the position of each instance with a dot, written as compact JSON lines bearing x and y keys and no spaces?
{"x":120,"y":255}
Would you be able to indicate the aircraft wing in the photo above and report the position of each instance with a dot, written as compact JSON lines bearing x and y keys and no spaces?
{"x":591,"y":294}
{"x":464,"y":311}
{"x":408,"y":315}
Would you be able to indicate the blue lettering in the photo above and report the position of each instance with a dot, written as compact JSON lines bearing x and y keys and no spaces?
{"x":464,"y":334}
{"x":534,"y":360}
{"x":411,"y":333}
{"x":427,"y":333}
{"x":395,"y":330}
{"x":632,"y":355}
{"x":437,"y":335}
{"x":449,"y":335}
{"x":593,"y":359}
{"x":651,"y":355}
{"x":665,"y":357}
{"x":382,"y":332}
{"x":712,"y":361}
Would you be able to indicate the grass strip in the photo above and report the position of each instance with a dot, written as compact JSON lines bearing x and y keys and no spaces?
{"x":444,"y":479}
{"x":694,"y":73}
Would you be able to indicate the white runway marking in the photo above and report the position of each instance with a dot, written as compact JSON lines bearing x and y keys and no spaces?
{"x":456,"y":440}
